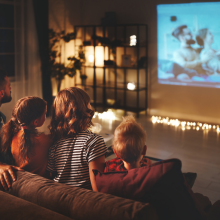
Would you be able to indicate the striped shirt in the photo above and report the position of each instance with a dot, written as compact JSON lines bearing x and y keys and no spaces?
{"x":69,"y":158}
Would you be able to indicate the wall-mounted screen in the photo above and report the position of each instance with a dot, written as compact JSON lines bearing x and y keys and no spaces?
{"x":188,"y":42}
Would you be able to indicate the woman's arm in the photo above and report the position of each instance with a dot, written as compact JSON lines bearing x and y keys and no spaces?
{"x":7,"y":175}
{"x":97,"y":164}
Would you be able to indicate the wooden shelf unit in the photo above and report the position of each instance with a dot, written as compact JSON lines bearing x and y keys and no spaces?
{"x":115,"y":77}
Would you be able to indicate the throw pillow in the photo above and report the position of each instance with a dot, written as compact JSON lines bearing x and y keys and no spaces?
{"x":162,"y":184}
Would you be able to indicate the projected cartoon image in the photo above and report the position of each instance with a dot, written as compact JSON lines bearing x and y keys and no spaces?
{"x":189,"y":44}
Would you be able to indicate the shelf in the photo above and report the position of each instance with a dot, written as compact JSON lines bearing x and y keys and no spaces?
{"x":114,"y":67}
{"x":110,"y":81}
{"x":126,"y":108}
{"x":110,"y":25}
{"x":123,"y":46}
{"x":119,"y":86}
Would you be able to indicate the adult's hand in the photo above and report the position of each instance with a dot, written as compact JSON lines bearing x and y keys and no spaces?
{"x":7,"y":175}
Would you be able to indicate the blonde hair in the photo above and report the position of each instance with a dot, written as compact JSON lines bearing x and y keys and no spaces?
{"x":129,"y":140}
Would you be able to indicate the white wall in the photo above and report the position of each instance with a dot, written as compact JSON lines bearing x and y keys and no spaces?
{"x":193,"y":103}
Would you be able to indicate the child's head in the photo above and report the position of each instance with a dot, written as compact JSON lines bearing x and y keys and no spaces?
{"x":71,"y":113}
{"x":129,"y":140}
{"x":29,"y":112}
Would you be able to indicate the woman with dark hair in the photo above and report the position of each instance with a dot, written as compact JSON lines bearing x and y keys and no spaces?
{"x":205,"y":39}
{"x":19,"y":137}
{"x":76,"y":151}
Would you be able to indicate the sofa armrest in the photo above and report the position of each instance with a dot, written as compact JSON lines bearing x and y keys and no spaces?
{"x":19,"y":209}
{"x":78,"y":203}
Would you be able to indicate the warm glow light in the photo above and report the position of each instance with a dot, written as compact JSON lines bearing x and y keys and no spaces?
{"x":130,"y":86}
{"x":107,"y":115}
{"x":184,"y":125}
{"x":133,"y":40}
{"x":99,"y":56}
{"x":91,"y":58}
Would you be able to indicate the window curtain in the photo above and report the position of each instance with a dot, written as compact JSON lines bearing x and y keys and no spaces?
{"x":41,"y":11}
{"x":31,"y":76}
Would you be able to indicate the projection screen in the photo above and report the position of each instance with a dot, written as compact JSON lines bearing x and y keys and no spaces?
{"x":188,"y":42}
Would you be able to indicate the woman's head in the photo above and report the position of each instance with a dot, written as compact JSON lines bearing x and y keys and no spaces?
{"x":204,"y":36}
{"x":30,"y":112}
{"x":71,"y":112}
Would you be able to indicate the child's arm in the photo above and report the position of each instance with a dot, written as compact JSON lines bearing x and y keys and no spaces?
{"x":97,"y":164}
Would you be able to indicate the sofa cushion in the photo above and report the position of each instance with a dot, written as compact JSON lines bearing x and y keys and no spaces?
{"x":15,"y":208}
{"x":161,"y":184}
{"x":78,"y":203}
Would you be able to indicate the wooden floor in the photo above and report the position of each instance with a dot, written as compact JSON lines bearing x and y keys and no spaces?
{"x":199,"y":151}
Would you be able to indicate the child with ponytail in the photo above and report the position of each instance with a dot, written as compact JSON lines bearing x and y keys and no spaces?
{"x":28,"y":147}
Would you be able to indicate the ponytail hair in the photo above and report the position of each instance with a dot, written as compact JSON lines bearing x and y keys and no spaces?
{"x":25,"y":111}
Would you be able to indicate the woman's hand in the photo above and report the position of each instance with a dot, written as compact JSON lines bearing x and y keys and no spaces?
{"x":97,"y":164}
{"x":7,"y":175}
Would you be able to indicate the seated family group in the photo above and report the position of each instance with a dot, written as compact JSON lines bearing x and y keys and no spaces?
{"x":73,"y":155}
{"x":71,"y":151}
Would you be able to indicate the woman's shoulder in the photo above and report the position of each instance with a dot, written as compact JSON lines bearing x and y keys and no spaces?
{"x":91,"y":135}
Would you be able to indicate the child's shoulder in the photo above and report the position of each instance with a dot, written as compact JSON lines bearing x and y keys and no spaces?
{"x":44,"y":138}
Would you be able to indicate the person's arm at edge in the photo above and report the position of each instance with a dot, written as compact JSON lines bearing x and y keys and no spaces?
{"x":97,"y":164}
{"x":7,"y":175}
{"x":178,"y":58}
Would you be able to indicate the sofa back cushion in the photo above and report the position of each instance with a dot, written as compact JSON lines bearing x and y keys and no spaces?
{"x":160,"y":184}
{"x":78,"y":203}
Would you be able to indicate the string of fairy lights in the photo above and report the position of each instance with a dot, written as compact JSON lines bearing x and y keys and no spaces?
{"x":184,"y":125}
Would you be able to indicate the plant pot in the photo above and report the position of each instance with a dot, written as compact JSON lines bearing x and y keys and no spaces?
{"x":83,"y":81}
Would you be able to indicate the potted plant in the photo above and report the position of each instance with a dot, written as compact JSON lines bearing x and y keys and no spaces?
{"x":77,"y":63}
{"x":57,"y":69}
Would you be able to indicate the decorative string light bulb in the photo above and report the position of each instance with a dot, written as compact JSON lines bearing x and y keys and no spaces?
{"x":185,"y":125}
